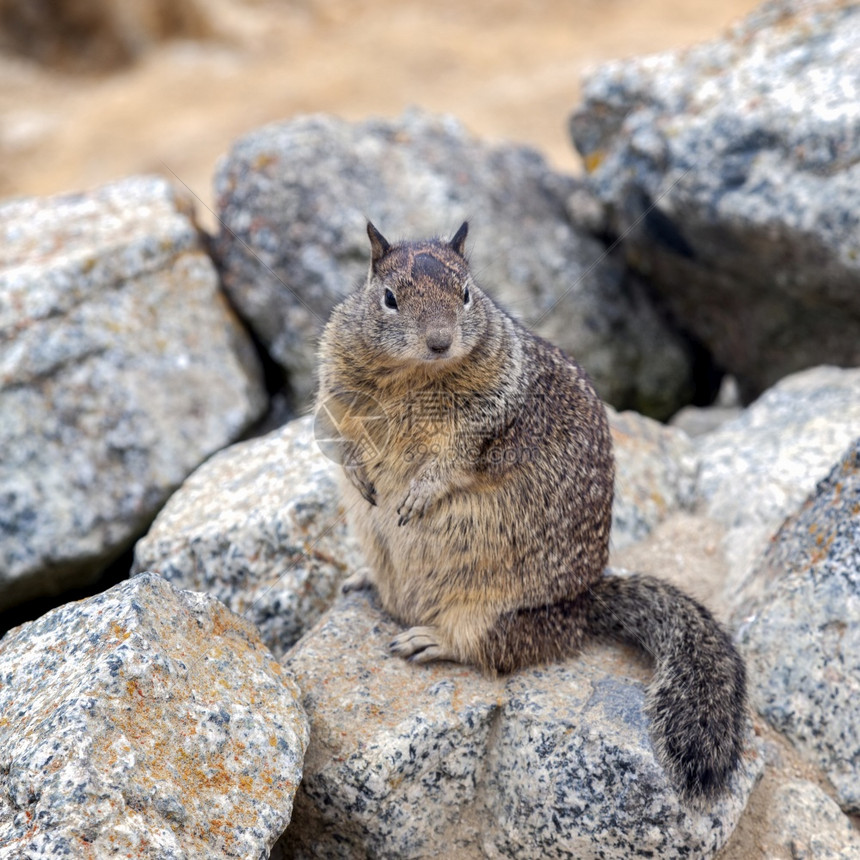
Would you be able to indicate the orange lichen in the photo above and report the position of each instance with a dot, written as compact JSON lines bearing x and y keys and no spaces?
{"x":119,"y":632}
{"x":594,"y":159}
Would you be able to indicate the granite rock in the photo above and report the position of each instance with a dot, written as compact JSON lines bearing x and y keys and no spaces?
{"x":145,"y":722}
{"x":807,"y":825}
{"x":655,"y":469}
{"x":259,"y":526}
{"x":757,"y":469}
{"x":732,"y":172}
{"x":701,"y":420}
{"x":121,"y":369}
{"x":799,"y":628}
{"x":293,"y":199}
{"x":438,"y":760}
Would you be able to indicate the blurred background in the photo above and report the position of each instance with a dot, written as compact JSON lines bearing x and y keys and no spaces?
{"x":92,"y":90}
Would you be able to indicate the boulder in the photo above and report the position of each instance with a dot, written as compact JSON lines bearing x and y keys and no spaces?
{"x":803,"y":823}
{"x":731,"y":172}
{"x":757,"y":469}
{"x":121,"y":369}
{"x":145,"y":722}
{"x":701,"y":420}
{"x":260,"y":526}
{"x":655,"y":469}
{"x":293,"y":199}
{"x":438,"y":760}
{"x":799,"y":628}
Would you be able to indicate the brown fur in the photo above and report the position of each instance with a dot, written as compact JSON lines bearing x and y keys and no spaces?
{"x":480,"y":479}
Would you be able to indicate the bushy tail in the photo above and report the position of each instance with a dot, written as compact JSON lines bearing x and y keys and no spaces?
{"x":697,"y":699}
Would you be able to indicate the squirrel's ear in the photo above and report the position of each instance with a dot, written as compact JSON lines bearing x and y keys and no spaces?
{"x":458,"y":243}
{"x":378,"y":243}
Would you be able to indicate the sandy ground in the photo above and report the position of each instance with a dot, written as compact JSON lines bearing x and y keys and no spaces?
{"x":508,"y":69}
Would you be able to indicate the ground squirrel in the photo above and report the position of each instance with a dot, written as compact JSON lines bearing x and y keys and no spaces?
{"x":480,"y":480}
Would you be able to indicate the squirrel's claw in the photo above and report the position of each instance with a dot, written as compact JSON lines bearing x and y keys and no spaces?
{"x":418,"y":499}
{"x":361,"y":482}
{"x":407,"y":511}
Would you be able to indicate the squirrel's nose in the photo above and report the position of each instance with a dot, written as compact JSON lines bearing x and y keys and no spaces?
{"x":440,"y":339}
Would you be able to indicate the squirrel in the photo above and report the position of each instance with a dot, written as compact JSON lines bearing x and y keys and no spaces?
{"x":479,"y":482}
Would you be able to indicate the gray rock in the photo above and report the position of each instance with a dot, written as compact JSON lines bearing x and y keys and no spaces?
{"x":701,"y":420}
{"x":422,"y":761}
{"x":293,"y":199}
{"x":121,"y":369}
{"x":732,"y":171}
{"x":800,"y":629}
{"x":790,"y":815}
{"x":145,"y":722}
{"x":260,"y":527}
{"x":654,"y":473}
{"x":807,"y":825}
{"x":757,"y":469}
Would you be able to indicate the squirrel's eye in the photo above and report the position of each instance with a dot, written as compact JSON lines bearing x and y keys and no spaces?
{"x":466,"y":296}
{"x":390,"y":301}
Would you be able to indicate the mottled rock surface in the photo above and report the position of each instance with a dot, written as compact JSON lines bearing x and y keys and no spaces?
{"x":732,"y":170}
{"x":294,"y":197}
{"x":700,"y":420}
{"x":654,"y":474}
{"x":807,"y":825}
{"x":757,"y":469}
{"x":121,"y":369}
{"x":421,"y":761}
{"x":800,"y":629}
{"x":259,"y":526}
{"x":145,"y":722}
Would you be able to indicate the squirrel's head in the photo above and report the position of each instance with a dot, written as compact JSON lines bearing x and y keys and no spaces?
{"x":421,"y":304}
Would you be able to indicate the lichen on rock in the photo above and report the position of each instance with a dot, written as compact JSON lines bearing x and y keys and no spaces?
{"x":147,"y":722}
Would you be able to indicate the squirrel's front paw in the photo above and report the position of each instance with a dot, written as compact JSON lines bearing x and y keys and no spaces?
{"x":418,"y":499}
{"x":361,"y":579}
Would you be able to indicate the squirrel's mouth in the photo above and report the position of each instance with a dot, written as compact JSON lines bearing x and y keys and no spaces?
{"x":442,"y":357}
{"x":438,"y":355}
{"x":436,"y":363}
